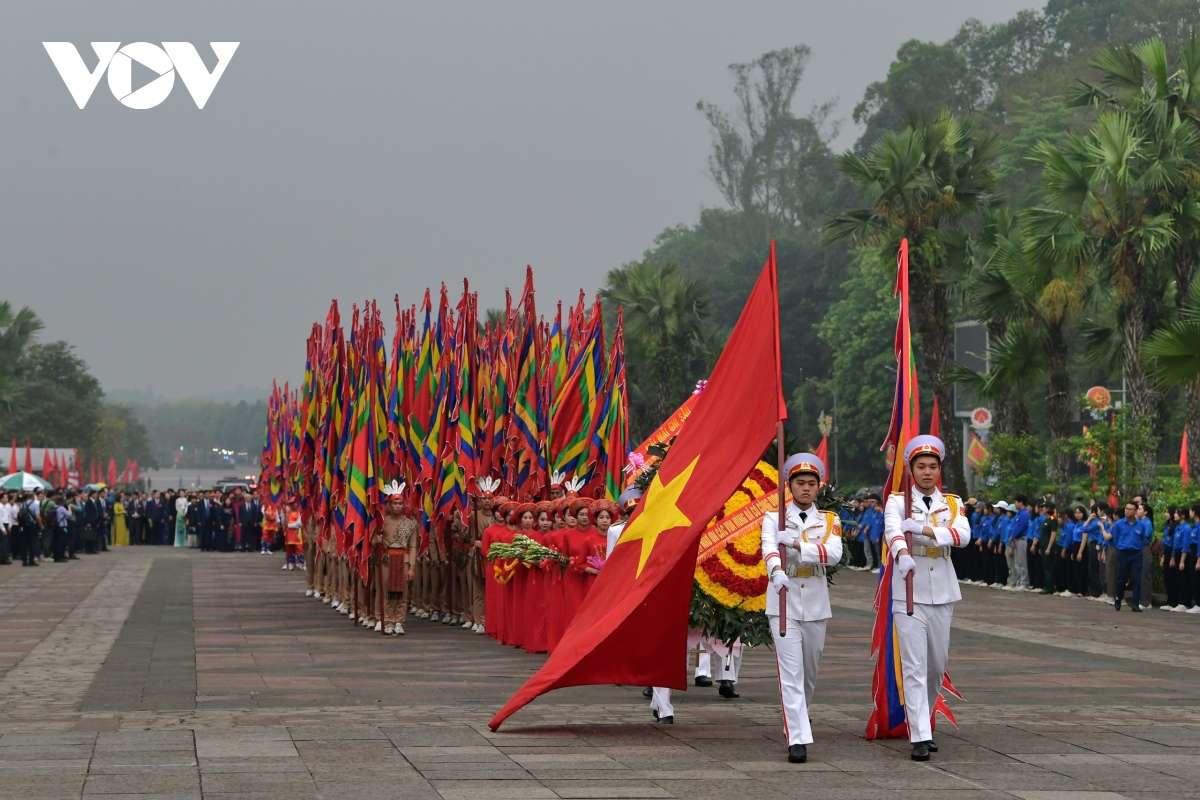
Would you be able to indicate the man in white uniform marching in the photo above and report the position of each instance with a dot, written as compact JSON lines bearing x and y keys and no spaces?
{"x":938,"y":523}
{"x":812,"y":539}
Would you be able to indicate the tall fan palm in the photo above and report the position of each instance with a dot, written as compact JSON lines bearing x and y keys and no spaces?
{"x":1141,"y":80}
{"x":16,"y":332}
{"x":1174,"y":354}
{"x":1044,"y":295}
{"x":924,"y":183}
{"x":1103,"y":212}
{"x":666,"y":329}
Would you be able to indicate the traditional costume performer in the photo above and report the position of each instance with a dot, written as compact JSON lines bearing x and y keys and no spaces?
{"x":293,"y":539}
{"x":812,"y":540}
{"x":937,"y":524}
{"x":552,"y":587}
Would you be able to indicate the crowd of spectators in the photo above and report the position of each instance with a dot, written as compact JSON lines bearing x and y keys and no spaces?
{"x":62,"y":524}
{"x":1093,"y":551}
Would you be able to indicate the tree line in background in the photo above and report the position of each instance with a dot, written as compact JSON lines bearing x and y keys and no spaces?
{"x":48,"y":396}
{"x":1046,"y":171}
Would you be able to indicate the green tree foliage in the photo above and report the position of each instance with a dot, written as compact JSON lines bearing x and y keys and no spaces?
{"x":859,"y":329}
{"x":61,"y":403}
{"x":766,"y":161}
{"x":1113,"y":447}
{"x":1114,"y":206}
{"x":926,"y":183}
{"x":1017,"y":465}
{"x":16,"y":332}
{"x":200,"y":425}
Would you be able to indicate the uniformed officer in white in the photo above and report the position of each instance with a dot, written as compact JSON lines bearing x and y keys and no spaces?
{"x":812,"y":539}
{"x":938,"y":523}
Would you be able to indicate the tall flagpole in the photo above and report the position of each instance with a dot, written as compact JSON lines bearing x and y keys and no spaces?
{"x":782,"y":526}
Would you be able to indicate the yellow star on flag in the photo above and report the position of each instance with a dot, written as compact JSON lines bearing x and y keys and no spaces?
{"x":660,"y":513}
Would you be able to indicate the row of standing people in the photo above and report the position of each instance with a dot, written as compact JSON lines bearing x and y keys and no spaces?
{"x":58,"y":525}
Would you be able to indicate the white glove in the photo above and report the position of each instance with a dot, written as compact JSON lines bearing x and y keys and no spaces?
{"x":905,"y":565}
{"x":779,"y":579}
{"x":785,"y":537}
{"x":913,"y":527}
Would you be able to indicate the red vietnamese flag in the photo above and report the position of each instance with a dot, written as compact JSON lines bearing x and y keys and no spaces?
{"x":1183,"y":459}
{"x":632,"y":628}
{"x":822,"y":451}
{"x":28,"y":458}
{"x":112,"y":472}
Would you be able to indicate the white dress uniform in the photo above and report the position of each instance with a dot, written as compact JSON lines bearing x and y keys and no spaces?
{"x":925,"y":636}
{"x":798,"y":653}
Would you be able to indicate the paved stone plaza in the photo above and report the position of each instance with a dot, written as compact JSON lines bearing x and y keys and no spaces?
{"x":157,"y":673}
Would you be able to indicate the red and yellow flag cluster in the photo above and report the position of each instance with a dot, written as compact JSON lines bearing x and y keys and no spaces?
{"x":516,"y":399}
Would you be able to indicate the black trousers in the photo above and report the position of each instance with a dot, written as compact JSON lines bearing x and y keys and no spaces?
{"x":1095,"y":572}
{"x":30,"y":544}
{"x":61,"y":536}
{"x":1129,"y":571}
{"x":1079,"y":574}
{"x":1001,"y":566}
{"x":5,"y":548}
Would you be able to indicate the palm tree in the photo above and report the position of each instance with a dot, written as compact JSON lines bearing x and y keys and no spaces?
{"x":1174,"y":353}
{"x":16,"y":332}
{"x":924,"y":183}
{"x":668,"y":340}
{"x":1141,"y":81}
{"x":1045,"y":296}
{"x":1106,"y":210}
{"x":1016,"y":363}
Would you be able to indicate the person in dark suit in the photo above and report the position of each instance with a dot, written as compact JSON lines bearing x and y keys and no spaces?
{"x":243,"y":520}
{"x":153,"y":512}
{"x":195,"y":522}
{"x":135,"y":517}
{"x":104,"y":526}
{"x":91,"y":522}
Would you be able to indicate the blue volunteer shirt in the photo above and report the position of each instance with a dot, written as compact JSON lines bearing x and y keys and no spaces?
{"x":1019,"y":526}
{"x":1004,"y":529}
{"x":1129,"y":535}
{"x":1066,"y":534}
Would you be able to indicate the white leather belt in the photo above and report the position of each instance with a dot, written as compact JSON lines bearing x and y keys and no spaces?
{"x":931,"y":552}
{"x":807,"y":571}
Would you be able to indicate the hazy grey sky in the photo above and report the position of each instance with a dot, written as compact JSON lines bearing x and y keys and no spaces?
{"x":362,"y":149}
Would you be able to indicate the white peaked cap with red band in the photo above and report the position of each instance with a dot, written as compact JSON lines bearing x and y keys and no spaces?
{"x":924,"y":445}
{"x":804,"y":462}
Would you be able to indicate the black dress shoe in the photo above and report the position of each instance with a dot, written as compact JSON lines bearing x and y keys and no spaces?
{"x":654,"y":711}
{"x":727,"y":691}
{"x":647,"y":693}
{"x":797,"y":754}
{"x":666,"y":720}
{"x":1136,"y":609}
{"x":929,"y":743}
{"x":1117,"y":604}
{"x":920,"y":751}
{"x":703,"y":680}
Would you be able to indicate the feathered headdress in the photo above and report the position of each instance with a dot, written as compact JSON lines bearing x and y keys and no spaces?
{"x":574,"y":485}
{"x":557,"y":479}
{"x":392,"y":488}
{"x":487,"y":486}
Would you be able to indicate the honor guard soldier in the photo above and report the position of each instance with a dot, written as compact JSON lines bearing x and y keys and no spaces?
{"x":938,"y":523}
{"x":812,"y":539}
